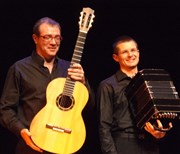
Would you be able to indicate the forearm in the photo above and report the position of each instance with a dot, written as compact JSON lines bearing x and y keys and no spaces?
{"x":9,"y":102}
{"x":107,"y":142}
{"x":9,"y":120}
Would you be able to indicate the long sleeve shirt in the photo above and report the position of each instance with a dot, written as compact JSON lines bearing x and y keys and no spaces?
{"x":24,"y":92}
{"x":113,"y":109}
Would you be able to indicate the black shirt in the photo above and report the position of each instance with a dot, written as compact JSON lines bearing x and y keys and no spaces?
{"x":114,"y":112}
{"x":24,"y":91}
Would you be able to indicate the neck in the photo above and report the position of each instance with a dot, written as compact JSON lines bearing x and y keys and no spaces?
{"x":49,"y":64}
{"x":48,"y":61}
{"x":130,"y":72}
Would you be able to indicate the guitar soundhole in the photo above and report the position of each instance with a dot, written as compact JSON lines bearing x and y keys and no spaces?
{"x":64,"y":102}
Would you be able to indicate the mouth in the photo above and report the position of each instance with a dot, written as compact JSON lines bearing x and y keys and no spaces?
{"x":53,"y":49}
{"x":131,"y":60}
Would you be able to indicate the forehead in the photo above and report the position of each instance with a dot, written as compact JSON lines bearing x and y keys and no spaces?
{"x":48,"y":28}
{"x":126,"y":45}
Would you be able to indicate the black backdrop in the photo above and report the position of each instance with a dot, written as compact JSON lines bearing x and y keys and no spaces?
{"x":154,"y":24}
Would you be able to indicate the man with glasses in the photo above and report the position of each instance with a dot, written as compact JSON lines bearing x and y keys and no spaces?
{"x":24,"y":91}
{"x":118,"y":134}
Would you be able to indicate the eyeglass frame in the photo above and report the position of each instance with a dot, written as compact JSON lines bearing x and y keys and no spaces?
{"x":49,"y":38}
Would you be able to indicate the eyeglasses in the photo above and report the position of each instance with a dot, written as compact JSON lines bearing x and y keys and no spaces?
{"x":49,"y":38}
{"x":129,"y":51}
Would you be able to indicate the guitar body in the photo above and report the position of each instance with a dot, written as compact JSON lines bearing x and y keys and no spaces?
{"x":60,"y":129}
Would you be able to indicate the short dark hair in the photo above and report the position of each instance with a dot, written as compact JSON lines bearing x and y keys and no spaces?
{"x":121,"y":39}
{"x":44,"y":20}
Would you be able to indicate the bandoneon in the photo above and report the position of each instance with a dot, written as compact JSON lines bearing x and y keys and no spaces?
{"x":152,"y":95}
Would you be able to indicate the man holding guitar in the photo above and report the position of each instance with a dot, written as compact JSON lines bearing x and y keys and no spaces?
{"x":24,"y":93}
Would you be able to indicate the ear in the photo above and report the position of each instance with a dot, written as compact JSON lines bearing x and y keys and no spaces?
{"x":34,"y":36}
{"x":115,"y":57}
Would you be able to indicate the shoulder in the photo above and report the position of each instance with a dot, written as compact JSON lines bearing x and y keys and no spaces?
{"x":21,"y":62}
{"x":63,"y":63}
{"x":109,"y":81}
{"x":18,"y":66}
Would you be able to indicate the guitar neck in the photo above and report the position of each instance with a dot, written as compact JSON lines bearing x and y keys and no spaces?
{"x":86,"y":19}
{"x":76,"y":58}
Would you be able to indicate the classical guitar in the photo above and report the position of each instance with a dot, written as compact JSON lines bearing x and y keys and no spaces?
{"x":59,"y":127}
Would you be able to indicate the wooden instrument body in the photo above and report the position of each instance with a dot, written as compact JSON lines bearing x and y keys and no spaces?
{"x":53,"y":139}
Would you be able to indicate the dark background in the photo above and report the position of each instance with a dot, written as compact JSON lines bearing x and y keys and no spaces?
{"x":155,"y":24}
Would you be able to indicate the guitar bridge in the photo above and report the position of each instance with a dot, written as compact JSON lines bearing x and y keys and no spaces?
{"x":59,"y":129}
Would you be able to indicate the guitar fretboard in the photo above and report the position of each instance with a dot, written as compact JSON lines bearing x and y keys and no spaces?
{"x":76,"y":58}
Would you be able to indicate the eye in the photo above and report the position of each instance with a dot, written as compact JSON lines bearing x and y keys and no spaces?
{"x":134,"y":50}
{"x":123,"y":52}
{"x":57,"y":38}
{"x":47,"y":37}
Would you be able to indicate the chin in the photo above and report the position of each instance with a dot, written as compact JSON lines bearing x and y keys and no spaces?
{"x":132,"y":66}
{"x":52,"y":53}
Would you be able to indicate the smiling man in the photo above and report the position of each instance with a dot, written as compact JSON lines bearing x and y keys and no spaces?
{"x":24,"y":93}
{"x":118,"y":133}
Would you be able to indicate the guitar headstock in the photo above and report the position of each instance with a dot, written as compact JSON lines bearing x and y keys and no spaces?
{"x":86,"y":19}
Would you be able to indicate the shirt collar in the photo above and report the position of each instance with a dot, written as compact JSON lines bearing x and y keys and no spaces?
{"x":121,"y":76}
{"x":39,"y":60}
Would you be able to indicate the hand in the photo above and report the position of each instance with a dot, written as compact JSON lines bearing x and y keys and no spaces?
{"x":156,"y":133}
{"x":26,"y":135}
{"x":76,"y":72}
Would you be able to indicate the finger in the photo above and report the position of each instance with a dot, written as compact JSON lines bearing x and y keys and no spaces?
{"x":149,"y":126}
{"x":75,"y":70}
{"x":170,"y":125}
{"x":145,"y":127}
{"x":76,"y":73}
{"x":30,"y":143}
{"x":76,"y":65}
{"x":76,"y":77}
{"x":33,"y":146}
{"x":159,"y":124}
{"x":26,"y":135}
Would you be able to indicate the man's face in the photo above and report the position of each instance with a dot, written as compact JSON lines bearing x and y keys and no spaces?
{"x":48,"y":42}
{"x":127,"y":55}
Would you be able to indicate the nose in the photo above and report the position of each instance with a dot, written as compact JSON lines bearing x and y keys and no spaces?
{"x":130,"y":53}
{"x":53,"y":41}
